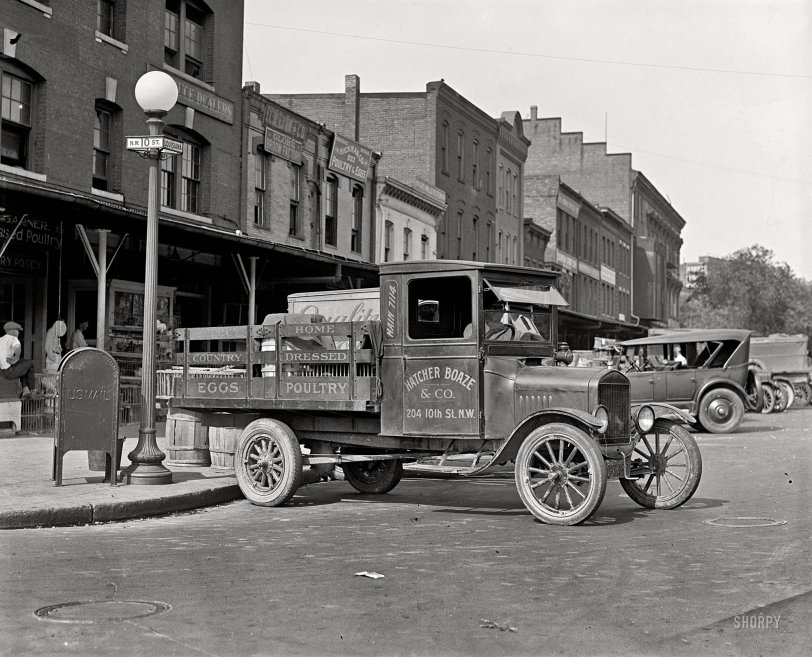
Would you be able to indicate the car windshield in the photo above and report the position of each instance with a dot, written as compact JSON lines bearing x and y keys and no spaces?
{"x":515,"y":324}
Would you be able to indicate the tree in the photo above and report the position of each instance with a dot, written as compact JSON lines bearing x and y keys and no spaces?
{"x":748,"y":289}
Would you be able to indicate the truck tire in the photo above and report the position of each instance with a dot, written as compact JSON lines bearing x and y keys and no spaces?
{"x":268,"y":462}
{"x":373,"y":477}
{"x":768,"y":393}
{"x":669,"y":471}
{"x":559,"y":460}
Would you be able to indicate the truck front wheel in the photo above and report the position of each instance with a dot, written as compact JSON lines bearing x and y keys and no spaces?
{"x":373,"y":477}
{"x":560,"y":474}
{"x":268,"y":462}
{"x":666,"y":467}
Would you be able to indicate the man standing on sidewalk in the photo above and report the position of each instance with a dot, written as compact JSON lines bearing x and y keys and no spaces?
{"x":11,"y":365}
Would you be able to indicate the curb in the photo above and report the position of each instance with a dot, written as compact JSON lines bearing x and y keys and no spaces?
{"x":89,"y":514}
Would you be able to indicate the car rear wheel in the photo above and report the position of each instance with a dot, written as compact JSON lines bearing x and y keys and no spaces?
{"x":789,"y":393}
{"x":560,"y":474}
{"x":721,"y":411}
{"x":768,"y":394}
{"x":666,"y":467}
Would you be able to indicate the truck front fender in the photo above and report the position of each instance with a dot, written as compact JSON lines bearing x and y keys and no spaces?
{"x":507,"y":452}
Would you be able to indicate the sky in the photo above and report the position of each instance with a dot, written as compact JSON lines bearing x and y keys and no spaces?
{"x":713,"y":98}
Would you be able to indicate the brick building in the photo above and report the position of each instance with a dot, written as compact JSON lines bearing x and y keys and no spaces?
{"x":609,"y":181}
{"x":440,"y":138}
{"x":591,"y":246}
{"x":72,"y":196}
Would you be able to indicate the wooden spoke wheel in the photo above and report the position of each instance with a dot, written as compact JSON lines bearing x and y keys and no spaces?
{"x":268,"y":462}
{"x":666,"y":467}
{"x":560,"y":474}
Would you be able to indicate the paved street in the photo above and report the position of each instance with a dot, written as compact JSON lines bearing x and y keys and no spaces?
{"x":467,"y":571}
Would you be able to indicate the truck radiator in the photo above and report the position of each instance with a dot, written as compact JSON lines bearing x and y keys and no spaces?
{"x":614,"y":394}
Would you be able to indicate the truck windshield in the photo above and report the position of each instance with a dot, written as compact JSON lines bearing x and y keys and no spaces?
{"x":515,"y":324}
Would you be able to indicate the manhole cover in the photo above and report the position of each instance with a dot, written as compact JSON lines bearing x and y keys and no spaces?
{"x":98,"y":612}
{"x":745,"y":521}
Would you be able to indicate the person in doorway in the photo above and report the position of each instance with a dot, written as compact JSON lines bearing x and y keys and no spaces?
{"x":11,"y":365}
{"x":53,"y":345}
{"x":77,"y":340}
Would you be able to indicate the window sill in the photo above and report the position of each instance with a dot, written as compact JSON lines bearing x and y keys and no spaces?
{"x":103,"y":38}
{"x":190,"y":78}
{"x":198,"y":218}
{"x":104,"y":193}
{"x":24,"y":173}
{"x":45,"y":9}
{"x":296,"y":237}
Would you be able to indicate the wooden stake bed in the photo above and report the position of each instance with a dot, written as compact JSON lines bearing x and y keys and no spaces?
{"x":326,"y":366}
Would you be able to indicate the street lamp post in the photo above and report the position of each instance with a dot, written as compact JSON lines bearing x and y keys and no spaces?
{"x":156,"y":93}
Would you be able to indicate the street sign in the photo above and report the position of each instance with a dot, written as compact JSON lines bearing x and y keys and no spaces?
{"x":150,"y":143}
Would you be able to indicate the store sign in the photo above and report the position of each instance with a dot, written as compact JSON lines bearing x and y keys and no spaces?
{"x":33,"y":232}
{"x":285,"y":134}
{"x":282,"y":145}
{"x":350,"y":158}
{"x":205,"y":101}
{"x":32,"y":264}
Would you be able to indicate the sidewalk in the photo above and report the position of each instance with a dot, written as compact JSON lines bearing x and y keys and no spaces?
{"x":28,"y":497}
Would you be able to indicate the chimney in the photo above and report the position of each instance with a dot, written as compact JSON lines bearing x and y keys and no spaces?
{"x":534,"y":112}
{"x":352,"y":105}
{"x":254,"y":86}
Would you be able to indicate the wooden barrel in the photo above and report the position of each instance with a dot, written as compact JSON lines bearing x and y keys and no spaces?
{"x":187,"y":438}
{"x":224,"y":432}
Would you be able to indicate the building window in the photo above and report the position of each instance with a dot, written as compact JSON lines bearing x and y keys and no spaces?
{"x":489,"y":242}
{"x":294,"y":223}
{"x":508,"y":183}
{"x":488,"y":177}
{"x":514,"y":190}
{"x":459,"y":234}
{"x":101,"y":149}
{"x":105,"y":17}
{"x":187,"y":196}
{"x":331,"y":207}
{"x":407,"y":243}
{"x":357,"y":218}
{"x":444,"y":147}
{"x":460,"y":156}
{"x":424,"y":247}
{"x":185,"y":36}
{"x":388,"y":235}
{"x":17,"y":97}
{"x":475,"y":166}
{"x":260,"y":182}
{"x":500,"y":182}
{"x":190,"y":178}
{"x":476,"y":238}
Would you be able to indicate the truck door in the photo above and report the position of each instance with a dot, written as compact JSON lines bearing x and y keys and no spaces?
{"x":440,"y":384}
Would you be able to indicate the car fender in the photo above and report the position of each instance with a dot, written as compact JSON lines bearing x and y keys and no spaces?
{"x":719,"y":383}
{"x":510,"y":447}
{"x":665,"y":412}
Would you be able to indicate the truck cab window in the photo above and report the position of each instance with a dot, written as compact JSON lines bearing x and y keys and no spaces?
{"x":439,"y":307}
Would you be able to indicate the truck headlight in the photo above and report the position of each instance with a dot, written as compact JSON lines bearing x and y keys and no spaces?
{"x":602,"y":416}
{"x":645,"y":419}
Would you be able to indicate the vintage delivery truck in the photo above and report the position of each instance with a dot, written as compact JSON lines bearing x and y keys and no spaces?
{"x":463,"y":359}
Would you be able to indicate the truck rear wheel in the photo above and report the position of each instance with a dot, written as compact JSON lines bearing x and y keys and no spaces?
{"x":669,"y":471}
{"x":268,"y":462}
{"x":560,"y":474}
{"x":373,"y":477}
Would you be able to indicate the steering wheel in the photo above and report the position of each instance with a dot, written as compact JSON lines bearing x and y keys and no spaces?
{"x":633,"y":366}
{"x":499,"y":331}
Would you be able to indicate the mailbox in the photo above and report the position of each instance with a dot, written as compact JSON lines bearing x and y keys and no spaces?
{"x":87,"y":408}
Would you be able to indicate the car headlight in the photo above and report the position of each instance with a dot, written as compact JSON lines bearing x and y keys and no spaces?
{"x":602,"y":416}
{"x":645,"y":419}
